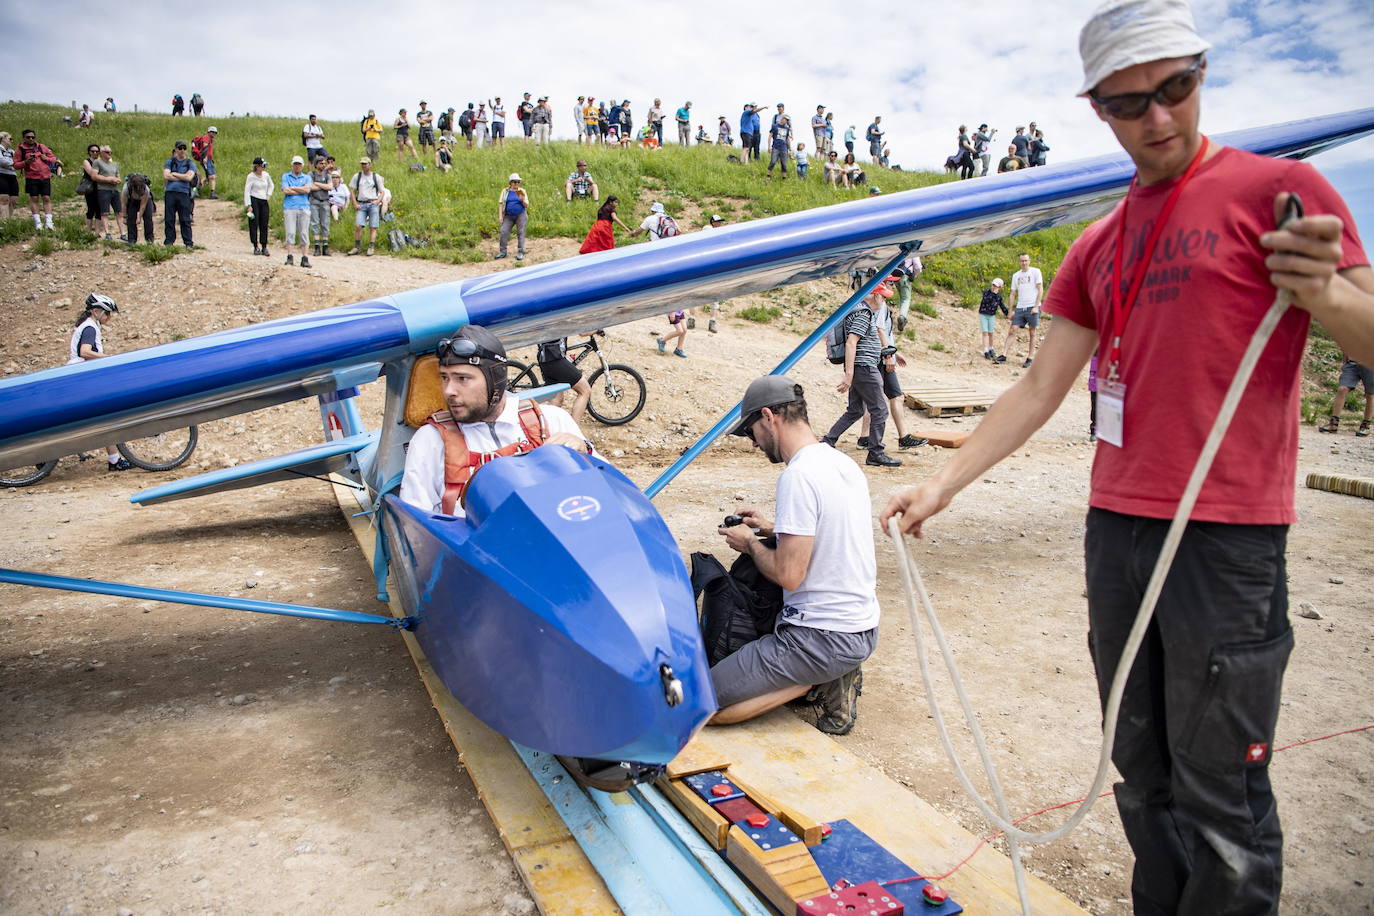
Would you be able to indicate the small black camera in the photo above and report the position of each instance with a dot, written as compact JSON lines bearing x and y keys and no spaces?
{"x":732,"y":520}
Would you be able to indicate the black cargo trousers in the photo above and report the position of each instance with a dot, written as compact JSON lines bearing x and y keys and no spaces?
{"x":1196,"y":729}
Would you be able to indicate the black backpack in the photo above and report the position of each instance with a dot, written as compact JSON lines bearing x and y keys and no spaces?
{"x":465,"y":119}
{"x":737,"y":607}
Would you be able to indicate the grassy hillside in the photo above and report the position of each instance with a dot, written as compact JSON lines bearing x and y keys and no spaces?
{"x":454,"y":211}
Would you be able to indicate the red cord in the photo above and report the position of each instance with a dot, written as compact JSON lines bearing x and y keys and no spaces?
{"x":987,"y":839}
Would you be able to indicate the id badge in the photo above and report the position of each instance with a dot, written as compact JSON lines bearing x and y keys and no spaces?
{"x":1111,"y":412}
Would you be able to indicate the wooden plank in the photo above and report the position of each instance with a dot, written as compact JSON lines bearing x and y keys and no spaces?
{"x":558,"y":875}
{"x":784,"y":874}
{"x":709,"y":823}
{"x":808,"y":770}
{"x":943,"y":438}
{"x":688,"y":763}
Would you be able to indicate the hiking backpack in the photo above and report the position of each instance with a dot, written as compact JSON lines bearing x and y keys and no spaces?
{"x":667,"y":227}
{"x":465,"y":120}
{"x":199,"y":146}
{"x":834,"y":340}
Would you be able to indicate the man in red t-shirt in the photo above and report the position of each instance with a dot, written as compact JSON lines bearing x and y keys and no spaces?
{"x":1196,"y":727}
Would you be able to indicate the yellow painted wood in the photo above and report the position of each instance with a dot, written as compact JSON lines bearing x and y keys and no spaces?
{"x":710,"y":823}
{"x":812,"y":772}
{"x":784,"y":874}
{"x":558,"y":875}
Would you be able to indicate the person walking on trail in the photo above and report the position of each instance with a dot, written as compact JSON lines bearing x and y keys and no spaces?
{"x":369,"y":191}
{"x":1352,"y":374}
{"x":257,"y":195}
{"x":87,"y":343}
{"x":1196,"y":729}
{"x":864,"y":343}
{"x":1027,"y":289}
{"x":907,"y":273}
{"x":820,"y":551}
{"x":296,"y":186}
{"x":677,"y":332}
{"x":203,"y":152}
{"x":513,"y":212}
{"x":892,"y":389}
{"x":658,"y":224}
{"x":601,"y":237}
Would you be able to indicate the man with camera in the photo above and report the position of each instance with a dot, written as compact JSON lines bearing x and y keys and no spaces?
{"x":820,"y":551}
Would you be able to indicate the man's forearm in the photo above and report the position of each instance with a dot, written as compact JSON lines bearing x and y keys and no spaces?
{"x":1349,"y":314}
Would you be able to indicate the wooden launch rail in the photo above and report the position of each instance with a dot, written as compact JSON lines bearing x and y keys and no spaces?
{"x":811,"y":779}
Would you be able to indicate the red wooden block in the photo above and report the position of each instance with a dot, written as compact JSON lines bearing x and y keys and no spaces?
{"x":737,"y":809}
{"x":867,"y":899}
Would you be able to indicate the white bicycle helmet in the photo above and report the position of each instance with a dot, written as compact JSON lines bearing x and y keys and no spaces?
{"x":99,"y":301}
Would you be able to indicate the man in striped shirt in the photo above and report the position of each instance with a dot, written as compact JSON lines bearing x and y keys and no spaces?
{"x":864,"y":342}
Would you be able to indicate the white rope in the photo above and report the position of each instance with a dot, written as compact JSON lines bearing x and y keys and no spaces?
{"x":916,"y":590}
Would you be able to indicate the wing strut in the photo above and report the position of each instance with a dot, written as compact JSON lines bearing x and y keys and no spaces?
{"x":119,"y":589}
{"x":732,"y":415}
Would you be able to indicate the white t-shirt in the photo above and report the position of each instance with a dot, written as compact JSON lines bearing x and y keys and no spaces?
{"x":423,"y":483}
{"x":822,"y":494}
{"x":1027,"y":284}
{"x":651,"y":225}
{"x":313,"y":133}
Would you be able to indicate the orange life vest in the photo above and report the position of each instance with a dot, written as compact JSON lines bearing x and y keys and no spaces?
{"x":460,"y":463}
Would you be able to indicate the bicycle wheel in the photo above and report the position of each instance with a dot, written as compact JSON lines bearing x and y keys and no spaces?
{"x":161,"y":452}
{"x":522,"y":377}
{"x":617,"y":395}
{"x":26,"y":476}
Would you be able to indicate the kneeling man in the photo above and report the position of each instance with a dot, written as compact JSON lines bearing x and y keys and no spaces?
{"x":823,"y":560}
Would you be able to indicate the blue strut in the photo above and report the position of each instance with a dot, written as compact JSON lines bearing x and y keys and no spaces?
{"x":732,"y":415}
{"x":119,"y":589}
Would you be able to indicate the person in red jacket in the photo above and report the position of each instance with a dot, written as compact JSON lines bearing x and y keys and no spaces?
{"x":37,"y":162}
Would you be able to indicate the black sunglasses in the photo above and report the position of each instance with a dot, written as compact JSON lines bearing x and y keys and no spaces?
{"x":1130,"y":106}
{"x":465,"y":349}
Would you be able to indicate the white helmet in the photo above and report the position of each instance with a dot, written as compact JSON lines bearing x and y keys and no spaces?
{"x":98,"y":301}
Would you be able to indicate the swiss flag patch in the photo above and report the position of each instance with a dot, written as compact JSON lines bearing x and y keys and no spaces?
{"x":1257,"y":753}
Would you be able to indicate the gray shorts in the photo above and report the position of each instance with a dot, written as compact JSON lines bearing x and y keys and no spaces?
{"x":1025,"y":318}
{"x":789,"y":656}
{"x":297,"y":223}
{"x":1353,"y":374}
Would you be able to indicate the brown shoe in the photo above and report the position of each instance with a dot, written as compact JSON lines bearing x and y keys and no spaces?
{"x":839,"y":701}
{"x":1333,"y":425}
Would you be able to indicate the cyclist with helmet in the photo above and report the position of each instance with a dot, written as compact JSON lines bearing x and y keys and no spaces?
{"x":88,"y":343}
{"x":482,"y":420}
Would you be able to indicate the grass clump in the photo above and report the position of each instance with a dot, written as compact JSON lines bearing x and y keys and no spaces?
{"x":760,"y":313}
{"x":156,"y":254}
{"x":937,"y":346}
{"x":43,"y":245}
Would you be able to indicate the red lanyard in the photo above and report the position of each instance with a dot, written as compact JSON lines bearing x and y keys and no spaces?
{"x":1121,"y":308}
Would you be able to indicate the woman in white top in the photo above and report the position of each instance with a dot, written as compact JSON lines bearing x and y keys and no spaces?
{"x":339,"y":196}
{"x":483,"y":134}
{"x":257,"y":191}
{"x":87,"y":343}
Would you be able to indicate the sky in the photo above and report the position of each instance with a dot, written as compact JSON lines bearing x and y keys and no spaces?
{"x":925,"y":67}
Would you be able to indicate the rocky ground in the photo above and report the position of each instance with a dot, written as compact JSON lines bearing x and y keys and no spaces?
{"x":170,"y":759}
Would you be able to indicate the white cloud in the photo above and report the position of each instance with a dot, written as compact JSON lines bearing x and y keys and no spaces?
{"x":926,"y":68}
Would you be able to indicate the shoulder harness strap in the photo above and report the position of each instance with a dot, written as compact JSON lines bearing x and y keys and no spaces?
{"x":460,"y":463}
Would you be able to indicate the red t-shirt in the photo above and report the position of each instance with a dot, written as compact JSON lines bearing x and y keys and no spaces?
{"x":1202,"y":299}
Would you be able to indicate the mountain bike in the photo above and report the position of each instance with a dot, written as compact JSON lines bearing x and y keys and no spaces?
{"x":161,"y":452}
{"x":618,"y":390}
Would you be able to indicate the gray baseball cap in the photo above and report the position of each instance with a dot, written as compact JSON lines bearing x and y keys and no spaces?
{"x":767,"y":391}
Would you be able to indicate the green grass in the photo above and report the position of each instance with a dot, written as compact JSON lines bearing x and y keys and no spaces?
{"x":760,"y":313}
{"x":43,"y":245}
{"x":455,"y":210}
{"x":966,"y":272}
{"x":937,"y":346}
{"x":156,"y":254}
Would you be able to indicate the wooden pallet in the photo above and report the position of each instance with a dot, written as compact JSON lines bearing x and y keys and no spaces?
{"x":945,"y":402}
{"x":1340,"y":483}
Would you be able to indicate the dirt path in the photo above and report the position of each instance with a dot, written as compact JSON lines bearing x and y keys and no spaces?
{"x":169,"y":759}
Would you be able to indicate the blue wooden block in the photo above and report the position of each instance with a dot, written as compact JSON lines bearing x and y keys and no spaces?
{"x":702,"y":783}
{"x":853,"y":855}
{"x":770,"y":837}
